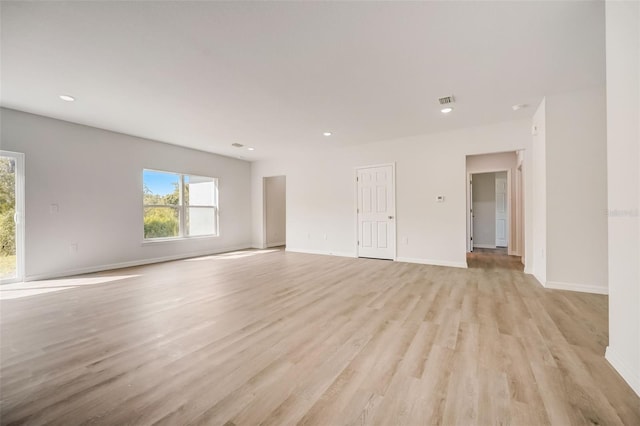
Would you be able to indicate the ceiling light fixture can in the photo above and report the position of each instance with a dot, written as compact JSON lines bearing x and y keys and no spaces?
{"x":327,"y":134}
{"x":67,"y":98}
{"x":251,"y":148}
{"x":446,"y":104}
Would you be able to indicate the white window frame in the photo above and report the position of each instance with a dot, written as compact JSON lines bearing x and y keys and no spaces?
{"x":19,"y":216}
{"x":182,"y":209}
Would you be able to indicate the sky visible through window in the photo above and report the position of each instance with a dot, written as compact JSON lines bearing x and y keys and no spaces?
{"x":160,"y":183}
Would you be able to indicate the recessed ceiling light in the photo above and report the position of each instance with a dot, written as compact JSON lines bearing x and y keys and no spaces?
{"x":446,"y":104}
{"x":326,"y":134}
{"x":519,"y":106}
{"x":251,"y":148}
{"x":67,"y":98}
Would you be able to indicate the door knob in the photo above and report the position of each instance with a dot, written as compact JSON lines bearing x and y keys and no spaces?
{"x":390,"y":217}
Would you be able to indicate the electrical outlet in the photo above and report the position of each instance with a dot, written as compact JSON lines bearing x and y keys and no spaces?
{"x":54,"y":208}
{"x":325,"y":236}
{"x":406,"y":240}
{"x":73,"y":247}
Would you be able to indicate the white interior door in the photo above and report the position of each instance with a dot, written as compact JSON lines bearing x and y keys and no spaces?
{"x":502,"y":210}
{"x":376,"y":212}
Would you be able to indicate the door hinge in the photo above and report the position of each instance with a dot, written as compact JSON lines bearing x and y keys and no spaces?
{"x":358,"y":242}
{"x":471,"y":238}
{"x":357,"y":179}
{"x":357,"y":210}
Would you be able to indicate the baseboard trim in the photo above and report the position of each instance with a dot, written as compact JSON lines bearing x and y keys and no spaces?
{"x":487,"y":246}
{"x":321,"y":252}
{"x":140,"y":262}
{"x":632,"y":378}
{"x":583,"y":288}
{"x":433,"y":262}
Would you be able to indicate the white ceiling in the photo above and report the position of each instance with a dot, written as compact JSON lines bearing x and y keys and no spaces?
{"x":275,"y":75}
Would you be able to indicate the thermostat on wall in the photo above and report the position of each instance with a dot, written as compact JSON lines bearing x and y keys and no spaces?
{"x":440,"y":198}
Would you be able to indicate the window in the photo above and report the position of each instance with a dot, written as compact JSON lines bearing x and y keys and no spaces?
{"x":177,"y":205}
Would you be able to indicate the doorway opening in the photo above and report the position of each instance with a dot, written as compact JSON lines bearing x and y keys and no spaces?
{"x":11,"y":217}
{"x":495,"y":225}
{"x":275,"y":211}
{"x":489,"y":210}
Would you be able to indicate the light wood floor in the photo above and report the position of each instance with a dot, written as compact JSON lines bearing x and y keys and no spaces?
{"x":494,"y":258}
{"x":284,"y":338}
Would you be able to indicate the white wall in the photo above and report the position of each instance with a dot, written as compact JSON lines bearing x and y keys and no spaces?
{"x":569,"y":191}
{"x":95,"y":177}
{"x":504,"y":161}
{"x":321,"y":191}
{"x":576,"y":174}
{"x":623,"y":154}
{"x":275,"y":210}
{"x":491,"y":162}
{"x":484,"y":210}
{"x":539,"y":198}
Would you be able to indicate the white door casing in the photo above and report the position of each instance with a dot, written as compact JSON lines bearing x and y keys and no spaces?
{"x":376,"y":212}
{"x":502,"y":210}
{"x":470,"y":213}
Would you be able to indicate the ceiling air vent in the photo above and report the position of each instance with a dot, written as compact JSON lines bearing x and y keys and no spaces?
{"x":237,"y":145}
{"x":446,"y":100}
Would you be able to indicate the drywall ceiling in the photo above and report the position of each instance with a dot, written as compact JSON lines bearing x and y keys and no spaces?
{"x":276,"y":75}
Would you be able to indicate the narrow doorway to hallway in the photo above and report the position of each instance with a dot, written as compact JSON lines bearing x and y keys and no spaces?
{"x":489,"y":210}
{"x":275,"y":211}
{"x":495,"y":225}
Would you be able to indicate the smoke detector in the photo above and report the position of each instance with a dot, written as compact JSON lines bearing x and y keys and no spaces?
{"x":446,"y":104}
